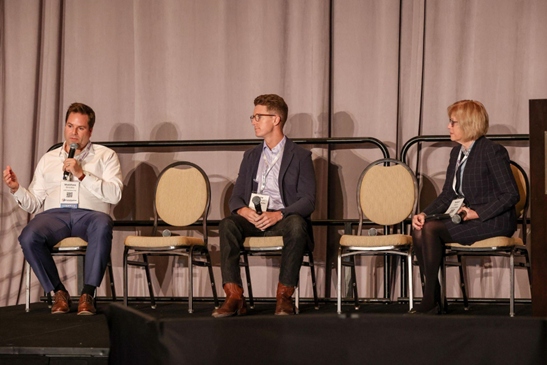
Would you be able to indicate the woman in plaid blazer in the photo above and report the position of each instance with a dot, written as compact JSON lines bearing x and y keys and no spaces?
{"x":480,"y":173}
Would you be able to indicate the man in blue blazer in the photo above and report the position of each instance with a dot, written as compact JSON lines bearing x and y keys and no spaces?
{"x":274,"y":195}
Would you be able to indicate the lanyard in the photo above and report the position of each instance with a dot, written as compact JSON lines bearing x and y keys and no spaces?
{"x":458,"y":175}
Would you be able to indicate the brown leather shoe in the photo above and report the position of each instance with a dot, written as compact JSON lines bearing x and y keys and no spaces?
{"x":284,"y":306}
{"x":62,"y":302}
{"x":86,"y":306}
{"x":234,"y":304}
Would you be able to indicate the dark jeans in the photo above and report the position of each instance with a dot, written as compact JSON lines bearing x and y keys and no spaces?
{"x":235,"y":228}
{"x":48,"y":228}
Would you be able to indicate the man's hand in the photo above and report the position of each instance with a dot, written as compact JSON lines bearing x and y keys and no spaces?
{"x":11,"y":179}
{"x":73,"y":166}
{"x":260,"y":221}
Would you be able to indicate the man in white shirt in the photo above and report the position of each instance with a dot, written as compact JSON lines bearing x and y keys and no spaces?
{"x":76,"y":185}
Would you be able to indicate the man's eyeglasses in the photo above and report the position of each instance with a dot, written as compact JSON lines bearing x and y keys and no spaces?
{"x":452,"y":122}
{"x":257,"y":117}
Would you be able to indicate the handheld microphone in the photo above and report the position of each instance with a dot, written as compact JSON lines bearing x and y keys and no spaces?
{"x":458,"y":218}
{"x":373,"y":232}
{"x":71,"y":152}
{"x":166,"y":233}
{"x":256,"y":202}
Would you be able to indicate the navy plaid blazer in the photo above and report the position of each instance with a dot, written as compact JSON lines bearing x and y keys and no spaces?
{"x":489,"y":189}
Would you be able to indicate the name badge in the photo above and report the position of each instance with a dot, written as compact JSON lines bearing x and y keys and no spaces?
{"x":264,"y":201}
{"x":69,"y":194}
{"x":454,"y":206}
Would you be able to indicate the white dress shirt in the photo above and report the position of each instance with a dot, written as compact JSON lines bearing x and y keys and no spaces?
{"x":100,"y":190}
{"x":267,"y":174}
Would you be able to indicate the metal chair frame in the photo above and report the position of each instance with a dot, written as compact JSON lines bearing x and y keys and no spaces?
{"x":504,"y":251}
{"x":394,"y":250}
{"x":191,"y":252}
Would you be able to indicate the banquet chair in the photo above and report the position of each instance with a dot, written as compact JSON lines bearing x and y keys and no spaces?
{"x":386,"y":195}
{"x":273,"y":246}
{"x":70,"y":246}
{"x":511,"y":247}
{"x":182,"y":199}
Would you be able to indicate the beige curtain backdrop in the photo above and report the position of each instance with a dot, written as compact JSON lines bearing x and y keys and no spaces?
{"x":189,"y":70}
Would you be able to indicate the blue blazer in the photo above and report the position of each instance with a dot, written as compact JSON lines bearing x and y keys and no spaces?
{"x":489,"y":189}
{"x":296,"y":180}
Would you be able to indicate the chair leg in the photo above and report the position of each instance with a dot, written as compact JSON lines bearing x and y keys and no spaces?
{"x":27,"y":290}
{"x":111,"y":277}
{"x":212,"y":278}
{"x":512,"y":285}
{"x":149,"y":281}
{"x":191,"y":281}
{"x":354,"y":282}
{"x":311,"y":264}
{"x":410,"y":281}
{"x":248,"y":277}
{"x":125,"y":290}
{"x":339,"y":281}
{"x":463,"y":287}
{"x":442,"y":281}
{"x":297,"y":299}
{"x":387,"y":281}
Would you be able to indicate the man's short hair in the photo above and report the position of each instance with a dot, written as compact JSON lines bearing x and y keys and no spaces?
{"x":83,"y":109}
{"x":472,"y":117}
{"x":274,"y":103}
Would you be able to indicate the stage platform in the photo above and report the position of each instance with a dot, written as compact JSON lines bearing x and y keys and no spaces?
{"x":376,"y":333}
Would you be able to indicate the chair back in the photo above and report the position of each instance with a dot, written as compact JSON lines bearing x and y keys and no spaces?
{"x":183,"y":194}
{"x":387,"y":192}
{"x":523,"y":185}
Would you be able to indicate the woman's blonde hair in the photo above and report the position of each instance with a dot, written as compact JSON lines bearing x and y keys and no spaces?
{"x":472,"y":117}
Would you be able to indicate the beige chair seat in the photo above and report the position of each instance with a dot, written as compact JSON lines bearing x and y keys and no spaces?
{"x":491,"y":243}
{"x":137,"y":242}
{"x":272,"y":242}
{"x":70,"y":243}
{"x":381,"y":241}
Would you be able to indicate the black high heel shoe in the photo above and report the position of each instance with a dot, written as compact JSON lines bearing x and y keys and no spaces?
{"x":418,"y":311}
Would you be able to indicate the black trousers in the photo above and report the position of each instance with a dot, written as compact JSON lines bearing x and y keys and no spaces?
{"x":234,"y":229}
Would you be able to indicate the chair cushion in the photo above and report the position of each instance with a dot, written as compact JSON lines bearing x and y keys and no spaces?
{"x":493,"y":242}
{"x":375,"y":241}
{"x":263,"y":242}
{"x":71,"y":242}
{"x":148,"y":241}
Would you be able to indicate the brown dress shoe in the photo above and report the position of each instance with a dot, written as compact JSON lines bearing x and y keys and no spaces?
{"x":284,"y":306}
{"x":234,"y":304}
{"x":86,"y":306}
{"x":62,"y":302}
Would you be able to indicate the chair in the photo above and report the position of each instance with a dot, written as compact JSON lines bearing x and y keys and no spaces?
{"x":182,"y":198}
{"x":499,"y":246}
{"x":272,"y":246}
{"x":387,"y":195}
{"x":70,"y":246}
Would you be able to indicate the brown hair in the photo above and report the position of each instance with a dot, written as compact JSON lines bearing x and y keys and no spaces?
{"x":81,"y":109}
{"x":472,"y":117}
{"x":274,"y":103}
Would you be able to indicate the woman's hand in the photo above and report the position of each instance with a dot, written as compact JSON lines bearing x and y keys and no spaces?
{"x":418,"y":221}
{"x":469,"y":213}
